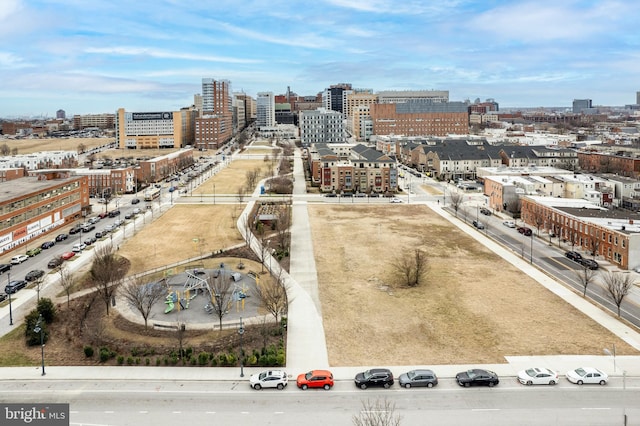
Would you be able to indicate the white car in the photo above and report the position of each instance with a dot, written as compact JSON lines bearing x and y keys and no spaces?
{"x":587,"y":375}
{"x":77,"y":248}
{"x":269,"y":379}
{"x":16,"y":260}
{"x":537,"y":376}
{"x":395,"y":200}
{"x":509,"y":224}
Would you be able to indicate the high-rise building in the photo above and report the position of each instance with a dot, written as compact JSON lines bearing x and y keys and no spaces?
{"x":333,"y":97}
{"x":265,"y":110}
{"x":148,"y":130}
{"x":581,"y":104}
{"x":403,"y":96}
{"x":61,"y":114}
{"x":637,"y":98}
{"x":215,"y":124}
{"x":321,"y":126}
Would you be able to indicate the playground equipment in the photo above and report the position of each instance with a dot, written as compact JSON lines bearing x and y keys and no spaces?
{"x":170,"y":300}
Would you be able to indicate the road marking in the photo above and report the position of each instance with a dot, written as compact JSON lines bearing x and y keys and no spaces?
{"x":210,"y":412}
{"x":278,"y":412}
{"x":177,"y":412}
{"x":596,"y":408}
{"x":108,"y":412}
{"x":244,"y":412}
{"x":485,"y":409}
{"x":143,"y":412}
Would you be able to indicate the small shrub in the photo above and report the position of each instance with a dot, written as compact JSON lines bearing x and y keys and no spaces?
{"x":158,"y":361}
{"x":88,"y":351}
{"x":47,"y":309}
{"x":192,"y":361}
{"x":135,"y":351}
{"x":203,"y":358}
{"x":147,"y":361}
{"x":120,"y":359}
{"x":104,"y":354}
{"x":129,"y":360}
{"x":137,"y":360}
{"x":214,"y":362}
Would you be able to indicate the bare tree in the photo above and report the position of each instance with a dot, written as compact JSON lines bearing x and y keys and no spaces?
{"x":67,"y":280}
{"x":618,"y":285}
{"x":246,"y":226}
{"x":180,"y":334}
{"x":538,"y":220}
{"x":594,"y":244}
{"x":273,"y":296}
{"x":107,"y":272}
{"x":4,"y":149}
{"x":252,"y":177}
{"x":242,"y":193}
{"x":221,"y":295}
{"x":410,"y":268}
{"x":283,"y":223}
{"x":38,"y":283}
{"x":586,"y":277}
{"x":142,"y":296}
{"x":380,"y":412}
{"x":456,"y":200}
{"x":81,"y":148}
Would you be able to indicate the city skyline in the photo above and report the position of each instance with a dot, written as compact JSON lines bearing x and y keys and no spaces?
{"x":90,"y":58}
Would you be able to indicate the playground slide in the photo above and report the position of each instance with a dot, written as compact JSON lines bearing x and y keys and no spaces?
{"x":170,"y":306}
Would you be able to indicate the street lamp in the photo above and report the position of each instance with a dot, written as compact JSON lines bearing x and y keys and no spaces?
{"x":39,"y":328}
{"x":240,"y":332}
{"x":214,"y":193}
{"x":10,"y":311}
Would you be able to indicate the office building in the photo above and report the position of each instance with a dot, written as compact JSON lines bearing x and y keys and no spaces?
{"x":149,"y":130}
{"x":321,"y":126}
{"x":579,"y":105}
{"x":420,"y":118}
{"x":265,"y":110}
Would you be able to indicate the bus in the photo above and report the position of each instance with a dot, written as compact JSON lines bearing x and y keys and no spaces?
{"x":151,"y":194}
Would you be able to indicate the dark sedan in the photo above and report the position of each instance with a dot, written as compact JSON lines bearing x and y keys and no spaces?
{"x":14,"y":286}
{"x":589,"y":263}
{"x":61,"y":237}
{"x":34,"y":275}
{"x":47,"y":245}
{"x":477,"y":377}
{"x":574,"y":255}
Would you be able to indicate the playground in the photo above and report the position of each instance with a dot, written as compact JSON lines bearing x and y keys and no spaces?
{"x":189,"y":296}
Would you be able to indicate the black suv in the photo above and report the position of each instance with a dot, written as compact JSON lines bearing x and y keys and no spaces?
{"x":75,"y":229}
{"x":374,"y":377}
{"x":61,"y":237}
{"x":114,"y":213}
{"x":34,"y":275}
{"x":55,"y":262}
{"x":14,"y":286}
{"x":4,"y":267}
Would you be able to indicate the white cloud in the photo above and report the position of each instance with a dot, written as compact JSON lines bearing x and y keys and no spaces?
{"x":8,"y":8}
{"x":164,"y":54}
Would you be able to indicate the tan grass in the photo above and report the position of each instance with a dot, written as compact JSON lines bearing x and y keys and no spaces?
{"x":475,"y":306}
{"x":29,"y":146}
{"x":232,"y":177}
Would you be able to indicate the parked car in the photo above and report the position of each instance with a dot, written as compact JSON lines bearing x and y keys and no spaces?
{"x":34,"y":251}
{"x":114,"y":213}
{"x":4,"y":267}
{"x":509,"y":224}
{"x":16,"y":260}
{"x":135,"y":201}
{"x":485,"y":211}
{"x":3,"y":297}
{"x":331,"y":195}
{"x":477,"y":377}
{"x":88,"y":227}
{"x":574,"y":255}
{"x":478,"y":224}
{"x":14,"y":286}
{"x":55,"y":262}
{"x":94,"y":220}
{"x":67,"y":255}
{"x":537,"y":376}
{"x":103,"y":215}
{"x":424,"y":378}
{"x":374,"y":377}
{"x":526,"y":231}
{"x":128,"y":215}
{"x":61,"y":237}
{"x":589,"y":263}
{"x":584,"y":375}
{"x":137,"y":211}
{"x":99,"y":235}
{"x":315,"y":379}
{"x":34,"y":275}
{"x":269,"y":379}
{"x":75,"y":229}
{"x":77,"y":248}
{"x":395,"y":200}
{"x":47,"y":245}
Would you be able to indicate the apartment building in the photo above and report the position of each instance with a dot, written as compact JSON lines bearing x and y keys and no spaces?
{"x":40,"y":160}
{"x":101,"y":121}
{"x":622,"y":163}
{"x":612,"y":234}
{"x":215,"y":124}
{"x":321,"y":126}
{"x":265,"y":110}
{"x":420,"y":118}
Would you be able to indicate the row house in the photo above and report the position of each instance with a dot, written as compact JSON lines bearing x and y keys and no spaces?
{"x":612,"y":234}
{"x":524,"y":156}
{"x":626,"y":164}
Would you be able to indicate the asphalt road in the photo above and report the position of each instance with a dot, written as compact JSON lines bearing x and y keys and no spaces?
{"x":233,"y":402}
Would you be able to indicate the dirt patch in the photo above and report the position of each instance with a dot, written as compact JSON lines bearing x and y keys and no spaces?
{"x":475,"y":307}
{"x":29,"y":146}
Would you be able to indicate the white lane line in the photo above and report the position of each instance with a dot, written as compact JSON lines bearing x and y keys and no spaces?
{"x":177,"y":412}
{"x":210,"y":412}
{"x":485,"y":409}
{"x":108,"y":412}
{"x":143,"y":412}
{"x":596,"y":408}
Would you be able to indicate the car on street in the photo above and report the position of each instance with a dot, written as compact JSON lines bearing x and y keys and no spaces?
{"x":269,"y":379}
{"x":77,"y":248}
{"x":34,"y":251}
{"x":509,"y":224}
{"x":331,"y":195}
{"x":99,"y":235}
{"x":34,"y":275}
{"x":589,"y":263}
{"x":75,"y":229}
{"x":14,"y":286}
{"x":315,"y":379}
{"x":574,"y":255}
{"x":135,"y":201}
{"x":526,"y":231}
{"x":485,"y":211}
{"x":3,"y":297}
{"x":47,"y":245}
{"x":587,"y":375}
{"x":114,"y":213}
{"x":16,"y":260}
{"x":55,"y":262}
{"x":374,"y":377}
{"x":477,"y":377}
{"x":88,"y":227}
{"x":538,"y":376}
{"x":4,"y":267}
{"x":395,"y":200}
{"x":478,"y":224}
{"x":94,"y":220}
{"x":67,"y":255}
{"x":128,"y":215}
{"x":61,"y":237}
{"x":137,"y":211}
{"x":415,"y":378}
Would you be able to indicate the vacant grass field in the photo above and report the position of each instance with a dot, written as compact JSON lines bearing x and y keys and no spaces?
{"x":232,"y":177}
{"x":28,"y":146}
{"x":475,"y":307}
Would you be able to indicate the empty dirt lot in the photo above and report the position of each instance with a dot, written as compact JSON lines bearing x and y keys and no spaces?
{"x":475,"y":307}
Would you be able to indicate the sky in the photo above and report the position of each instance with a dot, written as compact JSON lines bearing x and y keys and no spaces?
{"x":95,"y":56}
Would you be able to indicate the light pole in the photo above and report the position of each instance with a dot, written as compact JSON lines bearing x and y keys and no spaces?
{"x":241,"y":332}
{"x":39,"y":328}
{"x":10,"y":311}
{"x":214,"y":193}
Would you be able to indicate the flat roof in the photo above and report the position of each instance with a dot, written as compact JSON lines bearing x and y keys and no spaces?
{"x":16,"y":188}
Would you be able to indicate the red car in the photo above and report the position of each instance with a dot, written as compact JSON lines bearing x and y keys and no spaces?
{"x":67,"y":255}
{"x":315,"y":379}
